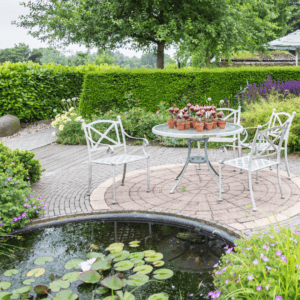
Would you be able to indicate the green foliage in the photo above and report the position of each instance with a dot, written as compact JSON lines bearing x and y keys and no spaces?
{"x":31,"y":92}
{"x":17,"y":204}
{"x":260,"y":113}
{"x":262,"y":267}
{"x":105,"y":90}
{"x":18,"y":53}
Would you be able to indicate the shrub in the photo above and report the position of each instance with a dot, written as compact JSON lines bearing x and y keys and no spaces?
{"x":22,"y":163}
{"x":105,"y":89}
{"x":17,"y":204}
{"x":264,"y":266}
{"x":259,"y":113}
{"x":136,"y":122}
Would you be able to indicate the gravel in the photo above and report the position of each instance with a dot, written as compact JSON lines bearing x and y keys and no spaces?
{"x":28,"y":128}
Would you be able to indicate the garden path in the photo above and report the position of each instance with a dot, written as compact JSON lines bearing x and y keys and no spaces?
{"x":63,"y":187}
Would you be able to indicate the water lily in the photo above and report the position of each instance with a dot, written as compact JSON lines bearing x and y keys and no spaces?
{"x":86,"y":265}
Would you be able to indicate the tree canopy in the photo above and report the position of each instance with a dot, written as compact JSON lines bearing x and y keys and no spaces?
{"x":210,"y":25}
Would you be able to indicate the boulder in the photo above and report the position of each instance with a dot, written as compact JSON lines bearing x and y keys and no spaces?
{"x":9,"y":125}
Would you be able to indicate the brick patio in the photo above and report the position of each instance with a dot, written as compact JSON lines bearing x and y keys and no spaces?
{"x":63,"y":187}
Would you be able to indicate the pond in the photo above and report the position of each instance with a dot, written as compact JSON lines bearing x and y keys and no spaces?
{"x":189,"y":255}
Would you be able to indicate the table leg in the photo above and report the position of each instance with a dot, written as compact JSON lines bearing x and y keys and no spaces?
{"x":184,"y":168}
{"x":209,"y":164}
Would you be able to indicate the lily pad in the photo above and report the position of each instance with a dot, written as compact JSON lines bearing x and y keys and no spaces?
{"x":4,"y":285}
{"x":73,"y":263}
{"x":95,"y":255}
{"x":102,"y":290}
{"x":89,"y":276}
{"x":11,"y":272}
{"x":138,"y":262}
{"x":146,"y":269}
{"x":28,"y":281}
{"x":149,"y":253}
{"x":23,"y":290}
{"x":160,"y":296}
{"x":124,"y":265}
{"x":36,"y":272}
{"x":115,"y":248}
{"x":163,"y":274}
{"x":42,"y":260}
{"x":155,"y":257}
{"x":137,"y":280}
{"x":111,"y":298}
{"x":101,"y":265}
{"x":56,"y":285}
{"x":66,"y":295}
{"x":158,"y":263}
{"x":71,"y":277}
{"x":120,"y":256}
{"x":5,"y":295}
{"x":112,"y":282}
{"x":136,"y":255}
{"x":125,"y":296}
{"x":134,"y":244}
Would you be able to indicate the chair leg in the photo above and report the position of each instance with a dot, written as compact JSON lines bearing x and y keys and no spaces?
{"x":220,"y":182}
{"x":199,"y":165}
{"x":257,"y":181}
{"x":124,"y":173}
{"x":90,"y":178}
{"x":233,"y":146}
{"x":268,"y":152}
{"x":279,"y":181}
{"x":148,"y":176}
{"x":286,"y":162}
{"x":251,"y":191}
{"x":114,"y":187}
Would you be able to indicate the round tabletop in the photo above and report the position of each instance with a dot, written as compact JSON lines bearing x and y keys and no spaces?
{"x":191,"y":133}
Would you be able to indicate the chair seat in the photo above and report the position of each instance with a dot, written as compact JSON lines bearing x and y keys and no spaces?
{"x":118,"y":159}
{"x":222,"y":140}
{"x":243,"y":163}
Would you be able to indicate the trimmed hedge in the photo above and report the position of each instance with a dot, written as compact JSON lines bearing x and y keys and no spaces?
{"x":106,"y":89}
{"x":30,"y":91}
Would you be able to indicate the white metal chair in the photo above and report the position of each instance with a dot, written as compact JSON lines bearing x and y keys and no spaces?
{"x":113,"y":161}
{"x":259,"y":157}
{"x":234,"y":141}
{"x":275,"y":120}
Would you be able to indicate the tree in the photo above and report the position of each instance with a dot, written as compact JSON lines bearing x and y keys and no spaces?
{"x":152,"y":25}
{"x":19,"y":53}
{"x":36,"y":55}
{"x":52,"y":55}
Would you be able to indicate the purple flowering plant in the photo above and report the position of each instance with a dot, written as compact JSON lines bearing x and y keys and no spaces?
{"x":268,"y":269}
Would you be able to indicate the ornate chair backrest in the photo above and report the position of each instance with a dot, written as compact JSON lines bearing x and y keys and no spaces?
{"x":263,"y":142}
{"x":277,"y":120}
{"x":233,"y":113}
{"x":93,"y":145}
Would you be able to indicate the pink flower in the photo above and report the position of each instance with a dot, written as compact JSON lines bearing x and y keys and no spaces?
{"x":157,"y":111}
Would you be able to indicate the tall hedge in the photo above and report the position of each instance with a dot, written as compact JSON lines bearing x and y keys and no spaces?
{"x":105,"y":89}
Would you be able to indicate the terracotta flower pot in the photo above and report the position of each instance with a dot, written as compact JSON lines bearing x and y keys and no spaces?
{"x":180,"y":126}
{"x":222,"y":124}
{"x":199,"y":127}
{"x":171,"y":124}
{"x":187,"y":125}
{"x":208,"y":126}
{"x":215,"y":123}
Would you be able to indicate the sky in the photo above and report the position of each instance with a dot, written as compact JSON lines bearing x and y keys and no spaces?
{"x":10,"y":34}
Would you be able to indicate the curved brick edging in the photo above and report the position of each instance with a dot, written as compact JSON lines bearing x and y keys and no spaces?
{"x":99,"y":201}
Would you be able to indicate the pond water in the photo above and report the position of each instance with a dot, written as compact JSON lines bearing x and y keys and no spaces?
{"x":189,"y":255}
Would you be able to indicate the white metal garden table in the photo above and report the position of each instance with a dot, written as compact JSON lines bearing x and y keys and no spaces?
{"x":193,"y":135}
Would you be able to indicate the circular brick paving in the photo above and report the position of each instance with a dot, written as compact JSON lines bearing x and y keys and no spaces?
{"x":197,"y":195}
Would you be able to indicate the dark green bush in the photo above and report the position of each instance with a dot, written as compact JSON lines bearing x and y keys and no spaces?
{"x":105,"y":89}
{"x":22,"y":164}
{"x":17,"y":203}
{"x":260,"y":113}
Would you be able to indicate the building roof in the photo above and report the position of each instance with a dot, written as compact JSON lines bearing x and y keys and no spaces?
{"x":288,"y":42}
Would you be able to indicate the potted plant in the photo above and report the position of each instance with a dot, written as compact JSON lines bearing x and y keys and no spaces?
{"x":199,"y":125}
{"x":187,"y":123}
{"x":213,"y":118}
{"x":171,"y":121}
{"x":180,"y":124}
{"x":221,"y":122}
